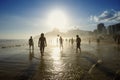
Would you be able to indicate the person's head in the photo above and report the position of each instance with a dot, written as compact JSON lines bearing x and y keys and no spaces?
{"x":31,"y":37}
{"x":42,"y":34}
{"x":77,"y":35}
{"x":60,"y":36}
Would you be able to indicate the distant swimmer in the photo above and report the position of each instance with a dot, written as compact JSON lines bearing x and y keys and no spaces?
{"x":78,"y":43}
{"x":42,"y":43}
{"x":31,"y":43}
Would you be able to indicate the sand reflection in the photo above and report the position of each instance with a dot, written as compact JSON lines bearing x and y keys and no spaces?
{"x":56,"y":56}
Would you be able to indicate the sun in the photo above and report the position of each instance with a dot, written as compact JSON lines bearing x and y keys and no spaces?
{"x":57,"y":19}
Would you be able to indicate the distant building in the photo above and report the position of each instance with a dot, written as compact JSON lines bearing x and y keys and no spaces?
{"x":114,"y":29}
{"x":101,"y":29}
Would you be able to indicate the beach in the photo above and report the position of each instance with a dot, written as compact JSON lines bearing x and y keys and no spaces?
{"x":95,"y":62}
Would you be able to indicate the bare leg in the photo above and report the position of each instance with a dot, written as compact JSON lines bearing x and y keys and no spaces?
{"x":29,"y":47}
{"x":80,"y":49}
{"x":42,"y":50}
{"x":76,"y":50}
{"x":32,"y":47}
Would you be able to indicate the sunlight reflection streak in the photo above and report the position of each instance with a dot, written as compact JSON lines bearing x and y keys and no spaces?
{"x":56,"y":56}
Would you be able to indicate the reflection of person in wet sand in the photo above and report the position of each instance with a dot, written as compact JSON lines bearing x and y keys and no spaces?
{"x":78,"y":42}
{"x":61,"y":42}
{"x":31,"y":43}
{"x":42,"y":43}
{"x":31,"y":55}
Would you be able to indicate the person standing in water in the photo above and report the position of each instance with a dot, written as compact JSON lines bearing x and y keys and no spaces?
{"x":61,"y":42}
{"x":98,"y":41}
{"x":31,"y":43}
{"x":89,"y":41}
{"x":42,"y":43}
{"x":72,"y":41}
{"x":78,"y":42}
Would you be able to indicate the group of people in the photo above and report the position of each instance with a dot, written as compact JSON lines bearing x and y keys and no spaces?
{"x":42,"y":43}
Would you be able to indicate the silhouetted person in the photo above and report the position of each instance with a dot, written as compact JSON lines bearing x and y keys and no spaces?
{"x":61,"y":42}
{"x":57,"y":40}
{"x":118,"y":39}
{"x":98,"y":40}
{"x":69,"y":41}
{"x":31,"y":43}
{"x":115,"y":38}
{"x":72,"y":41}
{"x":66,"y":40}
{"x":78,"y":43}
{"x":89,"y":41}
{"x":42,"y":43}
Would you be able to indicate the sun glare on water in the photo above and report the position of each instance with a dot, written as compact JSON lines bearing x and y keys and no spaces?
{"x":57,"y":19}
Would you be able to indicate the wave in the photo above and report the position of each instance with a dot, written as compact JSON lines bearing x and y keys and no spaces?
{"x":5,"y":43}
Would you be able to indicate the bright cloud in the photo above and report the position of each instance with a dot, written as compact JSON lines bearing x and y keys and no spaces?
{"x":107,"y":16}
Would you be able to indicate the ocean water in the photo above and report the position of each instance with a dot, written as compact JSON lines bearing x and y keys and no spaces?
{"x":8,"y":43}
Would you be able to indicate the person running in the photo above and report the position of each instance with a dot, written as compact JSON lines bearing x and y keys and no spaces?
{"x":42,"y":43}
{"x":61,"y":42}
{"x":78,"y":42}
{"x":31,"y":43}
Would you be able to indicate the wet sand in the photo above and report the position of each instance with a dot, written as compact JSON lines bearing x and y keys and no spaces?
{"x":95,"y":62}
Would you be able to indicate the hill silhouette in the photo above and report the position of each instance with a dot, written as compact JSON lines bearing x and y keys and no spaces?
{"x":70,"y":33}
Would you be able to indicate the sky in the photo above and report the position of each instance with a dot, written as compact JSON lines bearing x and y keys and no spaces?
{"x":20,"y":19}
